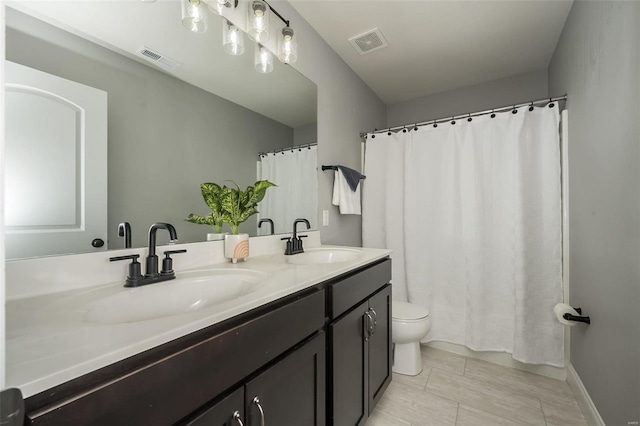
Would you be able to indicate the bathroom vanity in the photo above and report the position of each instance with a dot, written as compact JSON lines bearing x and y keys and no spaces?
{"x":310,"y":346}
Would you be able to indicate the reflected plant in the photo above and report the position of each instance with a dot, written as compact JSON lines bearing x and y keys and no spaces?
{"x":211,"y":192}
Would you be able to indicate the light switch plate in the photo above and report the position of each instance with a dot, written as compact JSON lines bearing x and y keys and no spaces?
{"x":325,"y":217}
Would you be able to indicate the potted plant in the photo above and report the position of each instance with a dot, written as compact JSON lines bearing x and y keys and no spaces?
{"x":211,"y":193}
{"x":237,"y":206}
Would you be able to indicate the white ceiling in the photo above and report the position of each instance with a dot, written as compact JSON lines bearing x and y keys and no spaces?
{"x":124,"y":26}
{"x":435,"y":46}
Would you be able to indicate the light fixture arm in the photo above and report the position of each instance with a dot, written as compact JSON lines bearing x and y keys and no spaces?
{"x":286,"y":22}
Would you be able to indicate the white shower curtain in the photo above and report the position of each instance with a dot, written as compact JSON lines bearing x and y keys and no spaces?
{"x":472,"y":212}
{"x":296,"y":196}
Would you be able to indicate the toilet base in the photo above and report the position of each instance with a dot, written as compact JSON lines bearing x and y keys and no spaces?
{"x":407,"y":359}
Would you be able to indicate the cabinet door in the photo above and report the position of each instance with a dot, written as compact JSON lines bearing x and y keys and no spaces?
{"x":380,"y":346}
{"x":349,"y":366}
{"x":292,"y":392}
{"x":222,"y":413}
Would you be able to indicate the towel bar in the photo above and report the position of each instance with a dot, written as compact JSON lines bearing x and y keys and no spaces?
{"x":325,"y":168}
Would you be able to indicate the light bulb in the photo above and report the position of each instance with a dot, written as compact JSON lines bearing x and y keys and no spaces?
{"x":287,"y":46}
{"x":258,"y":21}
{"x":232,"y":39}
{"x":194,"y":15}
{"x":263,"y":59}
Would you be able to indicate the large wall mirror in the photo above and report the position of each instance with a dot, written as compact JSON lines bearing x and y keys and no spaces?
{"x":201,"y":115}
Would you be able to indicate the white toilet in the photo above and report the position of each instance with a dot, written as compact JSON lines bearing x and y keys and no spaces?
{"x":409,"y":324}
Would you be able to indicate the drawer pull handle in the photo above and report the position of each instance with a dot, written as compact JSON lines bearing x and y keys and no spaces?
{"x":369,"y":325}
{"x":256,"y":401}
{"x":375,"y":320}
{"x":236,"y":417}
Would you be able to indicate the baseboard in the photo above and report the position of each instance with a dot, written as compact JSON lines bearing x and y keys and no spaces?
{"x":589,"y":409}
{"x":502,"y":358}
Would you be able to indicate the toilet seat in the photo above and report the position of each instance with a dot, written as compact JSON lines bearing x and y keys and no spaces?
{"x":408,"y":312}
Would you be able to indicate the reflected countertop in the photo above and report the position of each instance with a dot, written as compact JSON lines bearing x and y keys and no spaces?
{"x":49,"y":341}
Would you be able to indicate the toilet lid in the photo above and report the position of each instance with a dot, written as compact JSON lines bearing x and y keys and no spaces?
{"x":408,"y":311}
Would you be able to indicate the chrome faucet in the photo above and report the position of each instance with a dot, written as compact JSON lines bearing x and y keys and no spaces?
{"x":294,"y":245}
{"x":135,"y":277}
{"x":266,"y":220}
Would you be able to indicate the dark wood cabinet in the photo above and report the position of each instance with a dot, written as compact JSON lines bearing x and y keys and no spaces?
{"x":291,"y":392}
{"x":360,"y":347}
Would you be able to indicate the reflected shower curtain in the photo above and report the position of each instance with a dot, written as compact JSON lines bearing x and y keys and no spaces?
{"x":472,"y":212}
{"x":296,"y":196}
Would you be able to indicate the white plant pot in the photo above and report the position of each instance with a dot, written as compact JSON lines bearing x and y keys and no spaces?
{"x":212,"y":236}
{"x":236,"y":247}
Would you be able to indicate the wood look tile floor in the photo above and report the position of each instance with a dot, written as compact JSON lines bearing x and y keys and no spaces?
{"x":454,"y":390}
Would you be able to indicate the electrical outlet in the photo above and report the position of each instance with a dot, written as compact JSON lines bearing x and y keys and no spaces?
{"x":325,"y":217}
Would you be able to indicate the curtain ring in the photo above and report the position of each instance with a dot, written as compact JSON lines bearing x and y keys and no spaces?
{"x":514,"y":110}
{"x":453,"y":121}
{"x":469,"y":119}
{"x":551,"y":104}
{"x":493,"y":114}
{"x":531,"y":107}
{"x":435,"y":123}
{"x":416,"y":127}
{"x":404,"y":129}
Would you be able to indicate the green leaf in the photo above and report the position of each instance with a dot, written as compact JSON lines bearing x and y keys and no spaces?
{"x":236,"y":205}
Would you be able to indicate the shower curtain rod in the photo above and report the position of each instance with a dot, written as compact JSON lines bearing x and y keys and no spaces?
{"x":468,"y":116}
{"x":305,"y":145}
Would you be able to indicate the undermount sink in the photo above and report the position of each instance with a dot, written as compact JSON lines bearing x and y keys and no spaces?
{"x":316,"y":256}
{"x":190,"y":291}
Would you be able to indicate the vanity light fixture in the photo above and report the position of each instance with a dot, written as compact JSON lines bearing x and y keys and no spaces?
{"x":258,"y":20}
{"x":263,"y":59}
{"x":194,"y":15}
{"x":287,"y":46}
{"x":232,"y":39}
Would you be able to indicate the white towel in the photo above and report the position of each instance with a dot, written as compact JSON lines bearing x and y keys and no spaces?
{"x":344,"y":197}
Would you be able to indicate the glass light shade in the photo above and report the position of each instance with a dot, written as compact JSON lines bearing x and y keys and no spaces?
{"x":287,"y":46}
{"x":258,"y":20}
{"x":263,"y":59}
{"x":194,"y":15}
{"x":232,"y":39}
{"x":218,"y":6}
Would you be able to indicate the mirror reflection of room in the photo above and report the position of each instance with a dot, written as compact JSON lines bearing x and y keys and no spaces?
{"x":168,"y":131}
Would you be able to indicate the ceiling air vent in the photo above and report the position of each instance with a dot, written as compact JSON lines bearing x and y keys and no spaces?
{"x":158,"y":58}
{"x":368,"y":42}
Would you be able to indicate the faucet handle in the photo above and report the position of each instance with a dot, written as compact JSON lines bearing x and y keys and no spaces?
{"x":289,"y":248}
{"x":167,"y":262}
{"x":135,"y":269}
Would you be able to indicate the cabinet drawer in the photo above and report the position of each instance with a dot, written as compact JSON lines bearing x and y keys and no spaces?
{"x":350,"y":291}
{"x":162,"y":392}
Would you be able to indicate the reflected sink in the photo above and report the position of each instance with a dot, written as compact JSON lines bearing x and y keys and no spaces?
{"x":316,"y":256}
{"x":190,"y":291}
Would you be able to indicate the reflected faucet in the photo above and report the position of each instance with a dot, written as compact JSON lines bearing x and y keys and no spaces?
{"x":124,"y":230}
{"x":266,"y":220}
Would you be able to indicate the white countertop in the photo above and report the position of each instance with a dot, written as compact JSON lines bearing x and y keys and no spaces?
{"x":48,"y":341}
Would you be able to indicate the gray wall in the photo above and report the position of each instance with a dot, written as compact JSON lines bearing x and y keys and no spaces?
{"x":305,"y":134}
{"x":502,"y":92}
{"x":346,"y":107}
{"x":597,"y":63}
{"x":165,"y":136}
